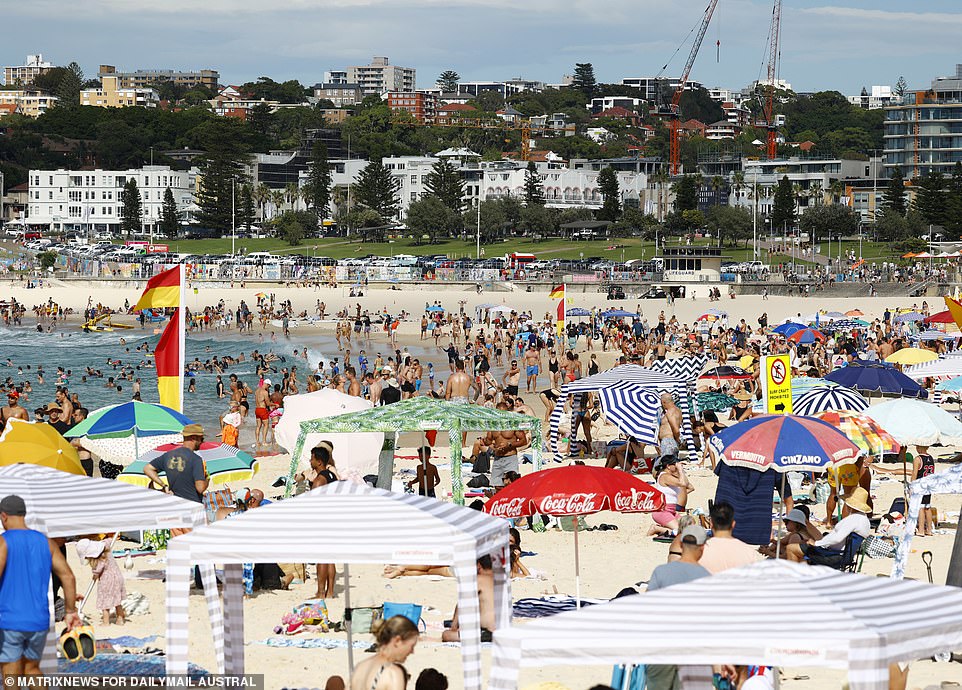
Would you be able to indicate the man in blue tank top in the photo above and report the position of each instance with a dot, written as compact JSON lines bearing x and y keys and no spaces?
{"x":27,"y":558}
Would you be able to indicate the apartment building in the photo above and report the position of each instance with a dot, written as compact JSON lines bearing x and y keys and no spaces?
{"x":880,"y":96}
{"x":27,"y":102}
{"x":144,"y":78}
{"x":923,"y":132}
{"x":341,"y":94}
{"x":89,"y":200}
{"x":381,"y":76}
{"x":110,"y":94}
{"x":650,"y":86}
{"x":23,"y":75}
{"x":423,"y":107}
{"x":598,"y":105}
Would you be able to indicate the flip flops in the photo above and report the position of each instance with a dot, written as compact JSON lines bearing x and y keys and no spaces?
{"x":78,"y":644}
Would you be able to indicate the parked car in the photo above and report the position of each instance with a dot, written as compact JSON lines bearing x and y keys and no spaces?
{"x":616,"y":292}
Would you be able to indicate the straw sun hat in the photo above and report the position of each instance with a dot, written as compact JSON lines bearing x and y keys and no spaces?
{"x":858,"y":500}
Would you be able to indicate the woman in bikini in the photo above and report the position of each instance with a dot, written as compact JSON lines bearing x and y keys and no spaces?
{"x":395,"y":638}
{"x":322,"y":462}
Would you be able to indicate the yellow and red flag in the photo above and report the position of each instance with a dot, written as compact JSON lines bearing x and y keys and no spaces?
{"x":166,"y":290}
{"x":163,"y":290}
{"x":955,"y":309}
{"x":557,"y":292}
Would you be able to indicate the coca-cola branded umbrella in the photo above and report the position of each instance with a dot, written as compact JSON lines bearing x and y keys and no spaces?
{"x":573,"y":491}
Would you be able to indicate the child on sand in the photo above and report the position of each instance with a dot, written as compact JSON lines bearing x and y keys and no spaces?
{"x":111,"y":589}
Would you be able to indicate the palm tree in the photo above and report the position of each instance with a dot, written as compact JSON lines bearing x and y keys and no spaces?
{"x":816,"y":192}
{"x":291,"y":195}
{"x":277,"y":200}
{"x":261,"y":193}
{"x":836,"y":189}
{"x":738,"y":183}
{"x":716,"y":185}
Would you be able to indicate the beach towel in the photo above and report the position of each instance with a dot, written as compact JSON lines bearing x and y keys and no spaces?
{"x":542,"y":607}
{"x":750,"y":493}
{"x":310,"y":643}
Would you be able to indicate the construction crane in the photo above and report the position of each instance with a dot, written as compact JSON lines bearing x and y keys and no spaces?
{"x":773,"y":57}
{"x":673,"y":111}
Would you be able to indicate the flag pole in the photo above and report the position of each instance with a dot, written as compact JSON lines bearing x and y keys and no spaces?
{"x":181,"y":338}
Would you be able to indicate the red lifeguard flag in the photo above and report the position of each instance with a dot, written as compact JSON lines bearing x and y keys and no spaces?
{"x":557,"y":292}
{"x":168,"y":360}
{"x":163,"y":290}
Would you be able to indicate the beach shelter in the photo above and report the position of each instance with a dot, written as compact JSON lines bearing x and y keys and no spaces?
{"x":62,"y":505}
{"x":621,"y":391}
{"x":944,"y":367}
{"x":727,"y":619}
{"x":426,"y":414}
{"x":946,"y":482}
{"x":361,"y":525}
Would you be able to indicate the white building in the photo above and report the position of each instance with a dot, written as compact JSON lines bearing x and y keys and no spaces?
{"x":565,"y":188}
{"x":380,"y":76}
{"x":603,"y":103}
{"x":24,"y":74}
{"x":89,"y":200}
{"x":650,"y":85}
{"x":880,"y":97}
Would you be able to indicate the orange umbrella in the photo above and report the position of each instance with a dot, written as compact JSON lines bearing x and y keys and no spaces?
{"x":37,"y":443}
{"x":854,"y":313}
{"x":910,"y":255}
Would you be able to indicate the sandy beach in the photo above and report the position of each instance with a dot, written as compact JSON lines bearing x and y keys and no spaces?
{"x":610,"y":560}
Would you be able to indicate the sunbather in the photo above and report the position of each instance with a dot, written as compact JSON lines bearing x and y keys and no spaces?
{"x":485,"y":601}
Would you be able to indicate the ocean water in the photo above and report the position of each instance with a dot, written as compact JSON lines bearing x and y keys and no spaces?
{"x":75,"y":350}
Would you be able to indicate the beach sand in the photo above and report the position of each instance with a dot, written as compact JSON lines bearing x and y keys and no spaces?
{"x":602,"y":575}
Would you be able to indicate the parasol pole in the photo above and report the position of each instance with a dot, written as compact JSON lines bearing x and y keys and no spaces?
{"x":348,"y":625}
{"x":90,"y":587}
{"x":778,"y":533}
{"x":577,"y":570}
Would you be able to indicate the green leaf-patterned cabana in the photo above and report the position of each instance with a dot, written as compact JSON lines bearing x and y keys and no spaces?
{"x":426,"y":414}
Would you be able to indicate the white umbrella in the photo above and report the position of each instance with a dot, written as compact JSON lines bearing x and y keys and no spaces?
{"x":916,"y":423}
{"x":356,"y":454}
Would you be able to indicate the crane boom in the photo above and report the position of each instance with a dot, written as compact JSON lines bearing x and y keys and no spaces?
{"x":674,"y":140}
{"x":773,"y":41}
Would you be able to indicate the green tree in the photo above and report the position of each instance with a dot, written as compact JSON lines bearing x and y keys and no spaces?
{"x":686,"y":193}
{"x":634,"y":223}
{"x":267,"y":89}
{"x":448,"y":81}
{"x":533,"y":187}
{"x":130,"y":215}
{"x":47,"y":259}
{"x":489,"y":101}
{"x":729,"y":223}
{"x":538,"y":221}
{"x":217,"y":194}
{"x":610,"y":195}
{"x":68,"y":90}
{"x":931,"y":198}
{"x":952,"y":219}
{"x":318,"y":188}
{"x":834,"y":220}
{"x":245,"y":209}
{"x":431,"y":218}
{"x":901,"y":88}
{"x":169,"y":218}
{"x":260,"y":118}
{"x":891,"y":226}
{"x":783,"y":206}
{"x":584,"y":79}
{"x":290,"y":228}
{"x":377,"y":189}
{"x":446,"y":184}
{"x":894,"y":199}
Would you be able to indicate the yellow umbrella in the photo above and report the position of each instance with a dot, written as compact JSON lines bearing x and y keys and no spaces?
{"x":908,"y":356}
{"x":37,"y":443}
{"x":747,"y":362}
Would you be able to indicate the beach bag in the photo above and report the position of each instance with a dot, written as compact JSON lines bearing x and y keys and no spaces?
{"x":821,"y":491}
{"x":362,"y":618}
{"x":221,"y":498}
{"x":478,"y":481}
{"x":878,"y":547}
{"x":410,"y":611}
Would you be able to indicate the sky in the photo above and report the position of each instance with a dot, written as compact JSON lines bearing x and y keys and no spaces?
{"x":841,"y":44}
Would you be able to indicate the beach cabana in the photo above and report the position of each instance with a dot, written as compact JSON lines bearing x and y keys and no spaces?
{"x":626,"y":398}
{"x":947,"y":482}
{"x":63,"y":505}
{"x":426,"y":414}
{"x":361,"y":525}
{"x":727,"y":619}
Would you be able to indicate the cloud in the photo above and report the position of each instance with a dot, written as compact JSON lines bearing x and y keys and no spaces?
{"x":903,"y":19}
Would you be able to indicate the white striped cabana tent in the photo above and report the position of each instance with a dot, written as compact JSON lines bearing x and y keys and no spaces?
{"x":361,"y":525}
{"x":617,"y":388}
{"x":65,"y":505}
{"x":843,"y":621}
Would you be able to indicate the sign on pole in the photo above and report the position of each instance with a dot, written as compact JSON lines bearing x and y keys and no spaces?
{"x":778,"y":384}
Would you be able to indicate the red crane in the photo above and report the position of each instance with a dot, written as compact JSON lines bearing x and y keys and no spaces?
{"x":673,"y":112}
{"x":773,"y":57}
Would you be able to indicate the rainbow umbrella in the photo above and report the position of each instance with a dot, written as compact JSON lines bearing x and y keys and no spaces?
{"x":223,"y":463}
{"x":863,"y":431}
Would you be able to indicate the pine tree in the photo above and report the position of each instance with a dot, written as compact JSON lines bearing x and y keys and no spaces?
{"x":533,"y":187}
{"x":217,"y":196}
{"x":686,"y":194}
{"x":448,"y":81}
{"x":894,"y":199}
{"x":169,"y":218}
{"x":931,"y":199}
{"x":130,"y":222}
{"x":952,"y":217}
{"x":584,"y":79}
{"x":783,"y":206}
{"x":68,"y":91}
{"x":610,"y":195}
{"x":318,"y":186}
{"x":246,"y":211}
{"x":446,"y":184}
{"x":377,"y":189}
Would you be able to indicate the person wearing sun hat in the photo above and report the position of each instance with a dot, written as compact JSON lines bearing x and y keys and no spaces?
{"x":828,"y":550}
{"x":186,"y":475}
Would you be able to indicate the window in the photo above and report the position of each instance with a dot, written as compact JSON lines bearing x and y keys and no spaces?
{"x":414,"y":196}
{"x":414,"y":179}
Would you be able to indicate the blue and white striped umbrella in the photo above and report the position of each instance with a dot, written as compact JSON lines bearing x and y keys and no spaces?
{"x":821,"y":399}
{"x":636,"y":413}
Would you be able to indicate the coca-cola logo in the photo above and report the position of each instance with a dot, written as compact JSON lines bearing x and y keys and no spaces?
{"x":570,"y":504}
{"x":635,"y":501}
{"x":510,"y":508}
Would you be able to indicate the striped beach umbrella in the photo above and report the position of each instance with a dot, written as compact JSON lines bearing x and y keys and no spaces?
{"x":223,"y":464}
{"x":821,"y":399}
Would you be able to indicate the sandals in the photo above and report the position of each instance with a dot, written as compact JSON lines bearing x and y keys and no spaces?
{"x":78,"y":644}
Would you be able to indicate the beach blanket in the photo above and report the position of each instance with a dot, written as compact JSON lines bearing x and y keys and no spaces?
{"x":751,"y":491}
{"x":310,"y":643}
{"x":123,"y":665}
{"x":128,"y":641}
{"x":542,"y":607}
